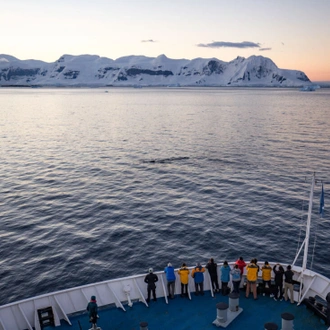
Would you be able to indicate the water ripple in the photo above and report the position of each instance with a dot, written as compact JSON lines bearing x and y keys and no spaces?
{"x":110,"y":190}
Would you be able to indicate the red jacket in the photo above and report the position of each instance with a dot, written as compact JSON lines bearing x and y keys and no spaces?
{"x":241,"y":264}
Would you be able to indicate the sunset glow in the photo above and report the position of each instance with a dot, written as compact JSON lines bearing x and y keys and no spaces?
{"x":294,"y":34}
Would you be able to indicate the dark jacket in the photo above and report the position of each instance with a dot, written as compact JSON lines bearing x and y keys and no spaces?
{"x":92,"y":309}
{"x":328,"y":298}
{"x":279,"y":272}
{"x":212,"y":268}
{"x":288,"y":276}
{"x":151,"y":279}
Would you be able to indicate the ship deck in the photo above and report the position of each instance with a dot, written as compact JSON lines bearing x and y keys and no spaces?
{"x":197,"y":313}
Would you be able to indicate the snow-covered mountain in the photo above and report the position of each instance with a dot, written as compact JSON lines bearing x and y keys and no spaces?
{"x":93,"y":70}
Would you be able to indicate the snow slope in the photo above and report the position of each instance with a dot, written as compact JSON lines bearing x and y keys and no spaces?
{"x":96,"y":71}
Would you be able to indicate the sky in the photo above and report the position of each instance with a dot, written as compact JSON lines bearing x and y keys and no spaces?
{"x":295,"y":34}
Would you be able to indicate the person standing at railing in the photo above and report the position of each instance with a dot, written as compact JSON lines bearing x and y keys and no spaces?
{"x":197,"y":274}
{"x":184,"y":278}
{"x":288,"y":284}
{"x":266,"y":274}
{"x":236,"y":278}
{"x":170,"y":277}
{"x":251,"y":279}
{"x":279,"y":272}
{"x":212,"y":268}
{"x":225,"y":278}
{"x":151,"y":279}
{"x":241,"y":265}
{"x":92,"y":310}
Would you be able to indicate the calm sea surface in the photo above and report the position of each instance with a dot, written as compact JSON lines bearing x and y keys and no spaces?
{"x":98,"y":184}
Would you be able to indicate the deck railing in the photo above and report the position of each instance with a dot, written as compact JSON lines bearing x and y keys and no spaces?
{"x":122,"y":293}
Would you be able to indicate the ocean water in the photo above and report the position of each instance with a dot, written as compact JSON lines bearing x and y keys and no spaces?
{"x":98,"y":184}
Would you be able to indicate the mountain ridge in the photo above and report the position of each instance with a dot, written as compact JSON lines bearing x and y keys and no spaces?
{"x":139,"y":70}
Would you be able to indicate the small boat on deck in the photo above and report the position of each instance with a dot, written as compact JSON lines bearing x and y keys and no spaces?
{"x":123,"y":305}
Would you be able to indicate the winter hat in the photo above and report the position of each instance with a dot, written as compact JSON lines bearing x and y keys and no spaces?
{"x":151,"y":270}
{"x":169,"y":264}
{"x":93,"y":298}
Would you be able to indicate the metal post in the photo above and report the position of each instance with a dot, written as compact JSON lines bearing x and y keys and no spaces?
{"x":127,"y":291}
{"x":271,"y":326}
{"x":221,"y":314}
{"x":144,"y":326}
{"x":233,"y":302}
{"x":287,"y":321}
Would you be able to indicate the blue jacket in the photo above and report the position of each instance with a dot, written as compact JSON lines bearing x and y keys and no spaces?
{"x":197,"y":274}
{"x":236,"y":274}
{"x":170,"y":275}
{"x":225,"y":271}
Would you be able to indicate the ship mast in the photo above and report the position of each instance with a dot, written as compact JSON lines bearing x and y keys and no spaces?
{"x":308,"y":226}
{"x":306,"y":240}
{"x":305,"y":243}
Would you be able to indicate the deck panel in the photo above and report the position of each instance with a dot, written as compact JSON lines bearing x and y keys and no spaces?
{"x":198,"y":313}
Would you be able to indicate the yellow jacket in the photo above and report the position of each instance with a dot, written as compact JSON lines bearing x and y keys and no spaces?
{"x":252,"y":272}
{"x":266,"y":273}
{"x":184,"y":275}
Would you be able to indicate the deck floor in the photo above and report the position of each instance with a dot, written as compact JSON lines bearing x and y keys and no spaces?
{"x":198,"y":313}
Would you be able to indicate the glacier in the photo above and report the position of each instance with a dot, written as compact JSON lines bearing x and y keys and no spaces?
{"x":143,"y":71}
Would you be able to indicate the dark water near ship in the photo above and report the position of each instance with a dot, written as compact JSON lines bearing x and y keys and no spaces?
{"x":99,"y":185}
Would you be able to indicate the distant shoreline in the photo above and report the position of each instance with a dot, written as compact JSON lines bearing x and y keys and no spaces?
{"x":321,"y":84}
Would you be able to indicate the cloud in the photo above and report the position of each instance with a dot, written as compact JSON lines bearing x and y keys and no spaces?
{"x":264,"y":49}
{"x":150,"y":40}
{"x":227,"y":44}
